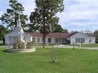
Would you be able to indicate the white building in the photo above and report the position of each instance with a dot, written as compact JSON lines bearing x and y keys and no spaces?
{"x":83,"y":38}
{"x":73,"y":38}
{"x":17,"y":34}
{"x":50,"y":38}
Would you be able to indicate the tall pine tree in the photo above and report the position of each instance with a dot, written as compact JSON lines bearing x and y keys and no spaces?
{"x":44,"y":17}
{"x":11,"y":15}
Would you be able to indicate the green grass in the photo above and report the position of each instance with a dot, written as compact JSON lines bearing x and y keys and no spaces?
{"x":89,"y":45}
{"x":68,"y":61}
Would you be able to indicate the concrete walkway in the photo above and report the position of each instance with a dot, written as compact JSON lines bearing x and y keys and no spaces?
{"x":77,"y":47}
{"x":63,"y":46}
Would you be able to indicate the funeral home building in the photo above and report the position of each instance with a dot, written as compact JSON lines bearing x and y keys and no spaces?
{"x":63,"y":38}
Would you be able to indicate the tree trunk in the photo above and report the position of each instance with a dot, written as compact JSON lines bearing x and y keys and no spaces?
{"x":44,"y":36}
{"x":3,"y":41}
{"x":54,"y":54}
{"x":44,"y":31}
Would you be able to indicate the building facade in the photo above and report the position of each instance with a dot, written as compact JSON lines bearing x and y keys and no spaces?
{"x":16,"y":35}
{"x":51,"y":38}
{"x":63,"y":38}
{"x":82,"y":38}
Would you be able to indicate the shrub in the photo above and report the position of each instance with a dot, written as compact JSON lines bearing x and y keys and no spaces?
{"x":19,"y":45}
{"x":29,"y":45}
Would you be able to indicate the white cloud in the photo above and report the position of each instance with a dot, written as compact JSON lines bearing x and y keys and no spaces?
{"x":80,"y":13}
{"x":29,"y":6}
{"x":0,"y":12}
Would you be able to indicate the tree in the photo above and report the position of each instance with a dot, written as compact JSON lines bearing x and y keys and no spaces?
{"x":11,"y":15}
{"x":65,"y":30}
{"x":58,"y":28}
{"x":96,"y":35}
{"x":3,"y":31}
{"x":44,"y":17}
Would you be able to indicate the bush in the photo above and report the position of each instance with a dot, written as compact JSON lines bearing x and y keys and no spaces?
{"x":19,"y":45}
{"x":29,"y":45}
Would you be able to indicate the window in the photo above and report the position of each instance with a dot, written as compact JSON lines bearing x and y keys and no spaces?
{"x":80,"y":40}
{"x":63,"y":40}
{"x":49,"y":40}
{"x":76,"y":40}
{"x":33,"y":39}
{"x":38,"y":39}
{"x":56,"y":40}
{"x":90,"y":41}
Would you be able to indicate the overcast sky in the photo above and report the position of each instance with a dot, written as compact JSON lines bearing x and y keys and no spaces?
{"x":80,"y":15}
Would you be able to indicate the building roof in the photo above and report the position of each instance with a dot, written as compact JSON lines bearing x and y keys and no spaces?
{"x":71,"y":34}
{"x":54,"y":35}
{"x":16,"y":32}
{"x":59,"y":35}
{"x":35,"y":34}
{"x":88,"y":34}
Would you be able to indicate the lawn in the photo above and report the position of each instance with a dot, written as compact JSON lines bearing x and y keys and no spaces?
{"x":68,"y":61}
{"x":89,"y":45}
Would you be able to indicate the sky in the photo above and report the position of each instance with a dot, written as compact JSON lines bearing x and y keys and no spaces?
{"x":78,"y":15}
